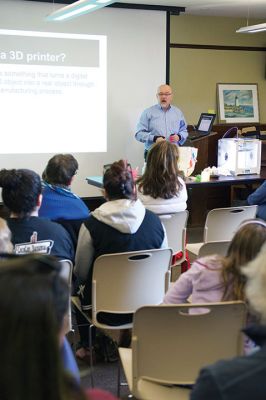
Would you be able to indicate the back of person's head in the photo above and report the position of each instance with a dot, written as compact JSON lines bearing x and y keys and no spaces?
{"x":244,"y":247}
{"x":21,"y":190}
{"x":160,"y":178}
{"x":6,"y":245}
{"x":255,"y":289}
{"x":60,"y":170}
{"x":33,"y":303}
{"x":118,"y":181}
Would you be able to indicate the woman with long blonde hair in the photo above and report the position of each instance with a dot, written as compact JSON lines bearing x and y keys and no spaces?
{"x":161,"y":188}
{"x":215,"y":278}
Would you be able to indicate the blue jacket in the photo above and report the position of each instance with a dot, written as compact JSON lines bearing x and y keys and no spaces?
{"x":59,"y":203}
{"x":259,"y":198}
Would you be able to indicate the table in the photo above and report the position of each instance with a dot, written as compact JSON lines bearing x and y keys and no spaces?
{"x":204,"y":196}
{"x":216,"y":193}
{"x":97,"y":181}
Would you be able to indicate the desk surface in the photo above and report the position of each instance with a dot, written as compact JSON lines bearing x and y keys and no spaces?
{"x":97,"y":181}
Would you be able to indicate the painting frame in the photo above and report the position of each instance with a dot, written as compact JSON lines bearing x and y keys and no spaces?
{"x":238,"y":103}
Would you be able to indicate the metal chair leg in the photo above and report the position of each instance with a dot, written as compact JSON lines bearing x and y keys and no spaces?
{"x":118,"y":378}
{"x":91,"y":355}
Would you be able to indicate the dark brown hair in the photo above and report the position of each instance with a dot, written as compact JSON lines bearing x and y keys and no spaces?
{"x":243,"y":248}
{"x":160,"y":178}
{"x":60,"y":170}
{"x":33,"y":302}
{"x":21,"y":189}
{"x":118,"y":181}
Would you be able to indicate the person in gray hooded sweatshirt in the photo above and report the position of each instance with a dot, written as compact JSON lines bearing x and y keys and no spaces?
{"x":121,"y":224}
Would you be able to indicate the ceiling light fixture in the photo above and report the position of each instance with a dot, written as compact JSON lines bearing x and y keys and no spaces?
{"x":77,"y":8}
{"x":252,"y":28}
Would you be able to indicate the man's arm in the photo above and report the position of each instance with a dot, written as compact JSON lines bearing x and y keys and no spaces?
{"x":143,"y":133}
{"x":182,"y":133}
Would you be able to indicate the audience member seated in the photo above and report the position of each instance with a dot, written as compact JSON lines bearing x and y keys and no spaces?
{"x":121,"y":224}
{"x":33,"y":304}
{"x":241,"y":378}
{"x":22,"y":196}
{"x":160,"y":188}
{"x":59,"y":203}
{"x":259,"y":198}
{"x":58,"y":200}
{"x":215,"y":278}
{"x":6,"y":245}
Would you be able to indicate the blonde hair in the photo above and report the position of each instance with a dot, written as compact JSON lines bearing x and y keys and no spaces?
{"x":5,"y":237}
{"x":255,"y":273}
{"x":244,"y":247}
{"x":160,"y":178}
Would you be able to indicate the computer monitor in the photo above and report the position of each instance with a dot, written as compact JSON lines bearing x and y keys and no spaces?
{"x":205,"y":123}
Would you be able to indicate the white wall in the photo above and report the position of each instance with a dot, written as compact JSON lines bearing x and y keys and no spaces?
{"x":135,"y":67}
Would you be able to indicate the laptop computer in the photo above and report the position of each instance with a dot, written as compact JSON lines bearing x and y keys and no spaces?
{"x":203,"y":127}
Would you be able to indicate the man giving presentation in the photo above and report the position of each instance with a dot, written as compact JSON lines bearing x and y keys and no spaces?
{"x":162,"y":121}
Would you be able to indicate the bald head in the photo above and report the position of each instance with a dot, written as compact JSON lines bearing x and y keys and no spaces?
{"x":164,"y":96}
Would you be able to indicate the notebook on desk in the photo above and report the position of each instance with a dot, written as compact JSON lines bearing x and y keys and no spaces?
{"x":203,"y":127}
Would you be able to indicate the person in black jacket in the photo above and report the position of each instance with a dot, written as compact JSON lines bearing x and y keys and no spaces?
{"x":119,"y":225}
{"x":241,"y":378}
{"x":22,"y":195}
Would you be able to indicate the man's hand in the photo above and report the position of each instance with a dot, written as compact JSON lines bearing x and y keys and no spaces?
{"x":174,"y":138}
{"x":159,"y":139}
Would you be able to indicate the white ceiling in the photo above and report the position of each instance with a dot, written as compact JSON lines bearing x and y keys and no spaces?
{"x":228,"y":8}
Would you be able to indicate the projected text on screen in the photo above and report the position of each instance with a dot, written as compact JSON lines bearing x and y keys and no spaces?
{"x":53,"y":92}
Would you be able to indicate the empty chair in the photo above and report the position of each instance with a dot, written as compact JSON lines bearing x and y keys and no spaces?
{"x":214,"y":248}
{"x":123,"y":282}
{"x":222,"y":223}
{"x":170,"y":344}
{"x":176,"y":227}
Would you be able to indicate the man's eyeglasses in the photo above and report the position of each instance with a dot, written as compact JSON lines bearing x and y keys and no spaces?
{"x":164,"y":94}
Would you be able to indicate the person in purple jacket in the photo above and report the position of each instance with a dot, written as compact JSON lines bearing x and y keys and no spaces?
{"x":215,"y":278}
{"x":241,"y":378}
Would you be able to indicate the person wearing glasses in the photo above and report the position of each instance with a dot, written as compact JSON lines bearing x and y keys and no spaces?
{"x":162,"y":121}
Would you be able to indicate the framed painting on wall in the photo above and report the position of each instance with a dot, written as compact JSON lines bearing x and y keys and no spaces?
{"x":238,"y":102}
